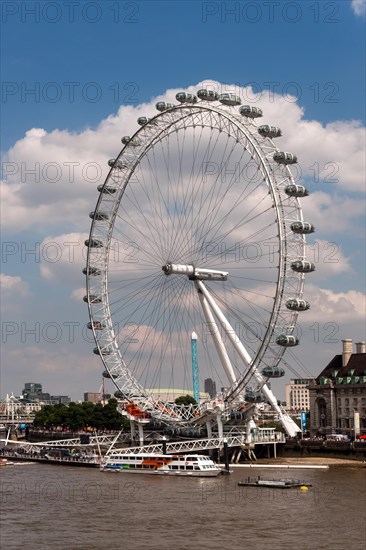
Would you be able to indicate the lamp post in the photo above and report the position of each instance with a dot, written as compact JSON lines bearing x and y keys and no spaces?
{"x":226,"y":455}
{"x":164,"y":440}
{"x":356,"y":423}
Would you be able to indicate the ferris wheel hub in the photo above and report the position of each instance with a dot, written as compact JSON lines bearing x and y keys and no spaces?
{"x":195,"y":273}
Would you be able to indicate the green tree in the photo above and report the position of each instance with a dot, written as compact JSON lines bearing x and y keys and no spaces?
{"x":185,"y":400}
{"x":112,"y":418}
{"x":97,"y":420}
{"x":77,"y":416}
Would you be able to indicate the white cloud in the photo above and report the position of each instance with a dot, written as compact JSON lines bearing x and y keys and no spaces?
{"x":51,"y":177}
{"x":15,"y":295}
{"x":333,"y":214}
{"x":13,"y":285}
{"x":328,"y":259}
{"x":330,"y":306}
{"x":78,"y":294}
{"x":63,"y":257}
{"x":333,"y":153}
{"x":359,"y":7}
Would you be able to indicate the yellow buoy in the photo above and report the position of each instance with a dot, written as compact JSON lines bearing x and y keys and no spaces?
{"x":304,"y":488}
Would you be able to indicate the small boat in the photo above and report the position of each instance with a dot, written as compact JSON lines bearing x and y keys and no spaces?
{"x":192,"y":465}
{"x":273,"y":483}
{"x":6,"y":462}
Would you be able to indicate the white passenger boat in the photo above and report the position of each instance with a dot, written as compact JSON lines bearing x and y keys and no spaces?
{"x":6,"y":462}
{"x":161,"y":464}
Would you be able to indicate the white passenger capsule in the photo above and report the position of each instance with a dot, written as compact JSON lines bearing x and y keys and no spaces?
{"x":295,"y":304}
{"x":104,"y":351}
{"x":269,"y":131}
{"x":107,"y":189}
{"x":230,"y":99}
{"x":106,"y":374}
{"x":254,"y":397}
{"x":135,"y":141}
{"x":94,"y":271}
{"x":208,"y":95}
{"x":113,"y":163}
{"x":302,"y":266}
{"x":293,"y":190}
{"x":183,"y":97}
{"x":94,"y":243}
{"x":99,"y":216}
{"x":273,"y":372}
{"x":303,"y":228}
{"x":142,"y":120}
{"x":163,"y":106}
{"x":284,"y":158}
{"x":250,"y":112}
{"x":92,"y":298}
{"x":287,"y":340}
{"x":97,"y":325}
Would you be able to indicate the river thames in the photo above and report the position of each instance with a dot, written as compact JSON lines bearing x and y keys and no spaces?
{"x":56,"y":508}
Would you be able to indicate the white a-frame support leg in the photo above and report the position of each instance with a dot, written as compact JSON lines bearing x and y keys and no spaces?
{"x":209,"y":304}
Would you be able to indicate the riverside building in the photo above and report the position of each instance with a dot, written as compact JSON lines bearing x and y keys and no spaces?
{"x":297,"y":395}
{"x":338,"y":394}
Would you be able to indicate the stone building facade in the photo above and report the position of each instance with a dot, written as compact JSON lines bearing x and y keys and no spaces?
{"x":338,"y":394}
{"x":297,"y":395}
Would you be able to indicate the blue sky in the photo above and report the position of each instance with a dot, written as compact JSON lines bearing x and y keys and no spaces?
{"x":154,"y":46}
{"x":106,"y":58}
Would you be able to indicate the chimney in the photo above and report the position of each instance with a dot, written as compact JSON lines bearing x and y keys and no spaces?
{"x":360,"y":347}
{"x":347,"y":351}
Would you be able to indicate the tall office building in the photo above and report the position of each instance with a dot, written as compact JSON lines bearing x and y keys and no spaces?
{"x":210,"y":387}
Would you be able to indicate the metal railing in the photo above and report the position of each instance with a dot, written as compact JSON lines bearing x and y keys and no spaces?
{"x":196,"y":445}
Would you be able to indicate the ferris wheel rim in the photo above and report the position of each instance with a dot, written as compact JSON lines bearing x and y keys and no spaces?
{"x":186,"y":112}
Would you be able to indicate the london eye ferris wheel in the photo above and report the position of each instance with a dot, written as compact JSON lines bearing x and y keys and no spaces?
{"x":198,"y":227}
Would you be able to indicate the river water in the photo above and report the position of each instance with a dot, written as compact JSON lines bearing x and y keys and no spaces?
{"x":47,"y":507}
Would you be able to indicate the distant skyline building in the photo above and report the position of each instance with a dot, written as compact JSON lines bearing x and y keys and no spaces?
{"x":210,"y":387}
{"x":92,"y":397}
{"x":297,"y":394}
{"x":32,"y":387}
{"x":33,"y":391}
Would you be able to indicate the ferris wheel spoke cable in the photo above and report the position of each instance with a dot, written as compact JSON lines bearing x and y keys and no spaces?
{"x":153,"y":229}
{"x":156,"y":338}
{"x":199,"y":189}
{"x":195,"y":190}
{"x":220,"y":222}
{"x":213,"y":207}
{"x":170,"y":322}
